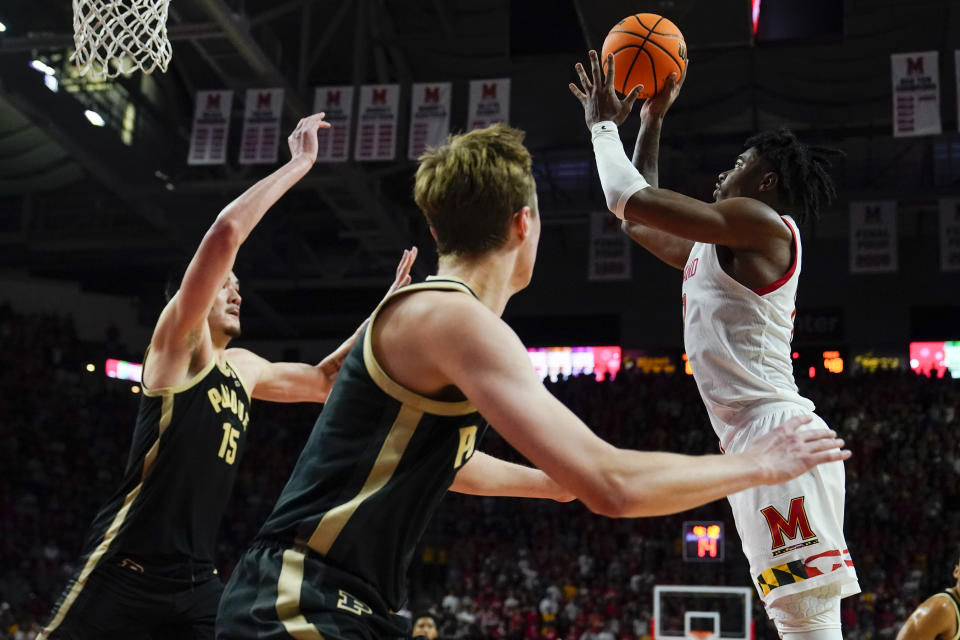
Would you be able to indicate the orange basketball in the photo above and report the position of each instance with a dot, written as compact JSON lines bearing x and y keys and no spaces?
{"x":646,"y":49}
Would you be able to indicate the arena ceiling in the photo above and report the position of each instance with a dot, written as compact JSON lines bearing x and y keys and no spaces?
{"x":77,"y":203}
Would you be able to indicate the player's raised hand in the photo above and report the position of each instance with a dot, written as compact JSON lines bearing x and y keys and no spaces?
{"x":332,"y":363}
{"x":402,"y":278}
{"x":657,"y":106}
{"x":788,"y":450}
{"x":303,"y":140}
{"x":597,"y":95}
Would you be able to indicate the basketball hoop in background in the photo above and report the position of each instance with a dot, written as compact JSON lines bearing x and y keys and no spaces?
{"x":701,"y":635}
{"x":119,"y":37}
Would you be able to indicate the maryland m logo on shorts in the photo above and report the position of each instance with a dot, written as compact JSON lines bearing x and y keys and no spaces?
{"x":784,"y":529}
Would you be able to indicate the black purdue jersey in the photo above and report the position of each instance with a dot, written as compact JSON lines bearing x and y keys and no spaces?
{"x":374,"y":469}
{"x":187,"y":444}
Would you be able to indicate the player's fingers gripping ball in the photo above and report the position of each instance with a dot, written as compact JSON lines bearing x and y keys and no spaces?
{"x":646,"y":49}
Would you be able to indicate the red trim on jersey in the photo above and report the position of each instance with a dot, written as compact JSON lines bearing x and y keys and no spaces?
{"x":782,"y":280}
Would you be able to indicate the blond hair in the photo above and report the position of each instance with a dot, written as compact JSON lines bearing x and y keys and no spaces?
{"x":471,"y":186}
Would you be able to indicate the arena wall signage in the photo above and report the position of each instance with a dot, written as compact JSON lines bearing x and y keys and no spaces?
{"x":377,"y":122}
{"x":261,"y":126}
{"x":337,"y":105}
{"x":211,"y":124}
{"x":429,"y":116}
{"x":916,"y":93}
{"x":489,"y":103}
{"x":873,"y":237}
{"x":950,"y":234}
{"x":610,"y":249}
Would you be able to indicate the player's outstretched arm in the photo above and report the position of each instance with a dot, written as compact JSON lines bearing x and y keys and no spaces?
{"x":742,"y":223}
{"x":211,"y":264}
{"x":667,"y":247}
{"x":301,"y":382}
{"x":479,"y":354}
{"x":934,"y":618}
{"x":484,"y":475}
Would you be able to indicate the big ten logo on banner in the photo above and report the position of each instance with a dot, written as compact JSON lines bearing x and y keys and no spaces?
{"x":489,"y":103}
{"x":429,"y":117}
{"x":609,"y":248}
{"x":950,"y":234}
{"x":211,"y":122}
{"x":873,"y":237}
{"x":337,"y":106}
{"x":377,"y":122}
{"x":818,"y":325}
{"x":916,"y":93}
{"x":261,"y":126}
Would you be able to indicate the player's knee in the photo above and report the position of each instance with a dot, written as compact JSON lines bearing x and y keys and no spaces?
{"x":810,"y":615}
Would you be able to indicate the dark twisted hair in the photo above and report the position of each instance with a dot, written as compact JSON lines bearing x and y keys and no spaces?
{"x":804,"y":170}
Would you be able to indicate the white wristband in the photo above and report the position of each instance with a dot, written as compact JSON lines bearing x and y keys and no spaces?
{"x":618,"y":177}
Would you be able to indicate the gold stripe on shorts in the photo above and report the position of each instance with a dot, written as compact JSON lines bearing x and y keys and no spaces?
{"x":288,"y":598}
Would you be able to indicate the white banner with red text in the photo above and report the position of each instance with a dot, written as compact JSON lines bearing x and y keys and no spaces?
{"x":261,"y":126}
{"x":489,"y":103}
{"x":429,"y":116}
{"x":377,"y":122}
{"x":336,"y":103}
{"x":610,"y":248}
{"x":873,"y":237}
{"x":211,"y":124}
{"x":916,"y":93}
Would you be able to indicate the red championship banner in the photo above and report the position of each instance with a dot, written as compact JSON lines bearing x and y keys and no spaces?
{"x":429,"y":116}
{"x":916,"y":93}
{"x":609,"y":248}
{"x":211,"y":122}
{"x":950,"y":234}
{"x":377,"y":122}
{"x":873,"y":237}
{"x":261,"y":126}
{"x":489,"y":103}
{"x":337,"y":105}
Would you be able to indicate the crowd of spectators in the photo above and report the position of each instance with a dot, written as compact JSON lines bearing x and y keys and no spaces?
{"x":491,"y":568}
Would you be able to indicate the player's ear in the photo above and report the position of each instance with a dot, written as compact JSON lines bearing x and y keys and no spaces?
{"x":522,"y":221}
{"x":769,"y":181}
{"x":433,"y":232}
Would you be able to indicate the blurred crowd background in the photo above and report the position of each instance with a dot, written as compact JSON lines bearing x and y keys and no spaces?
{"x":490,"y":568}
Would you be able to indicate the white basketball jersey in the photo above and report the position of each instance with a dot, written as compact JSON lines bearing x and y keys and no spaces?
{"x":738,"y":340}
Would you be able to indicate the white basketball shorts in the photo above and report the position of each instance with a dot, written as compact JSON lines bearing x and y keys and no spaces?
{"x":792,"y":533}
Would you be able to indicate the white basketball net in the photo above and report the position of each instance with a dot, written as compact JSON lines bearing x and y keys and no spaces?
{"x":121,"y":36}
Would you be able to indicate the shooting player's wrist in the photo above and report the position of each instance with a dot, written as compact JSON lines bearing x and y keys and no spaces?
{"x":618,"y":177}
{"x":301,"y":162}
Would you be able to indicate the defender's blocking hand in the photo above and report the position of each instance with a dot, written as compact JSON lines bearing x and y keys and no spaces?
{"x":402,"y":278}
{"x":788,"y":451}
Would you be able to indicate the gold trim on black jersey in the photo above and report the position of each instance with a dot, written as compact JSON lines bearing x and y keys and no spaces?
{"x":956,"y":610}
{"x":288,"y":598}
{"x":236,"y":371}
{"x":166,"y":415}
{"x":393,"y":388}
{"x":391,"y":451}
{"x":153,"y":393}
